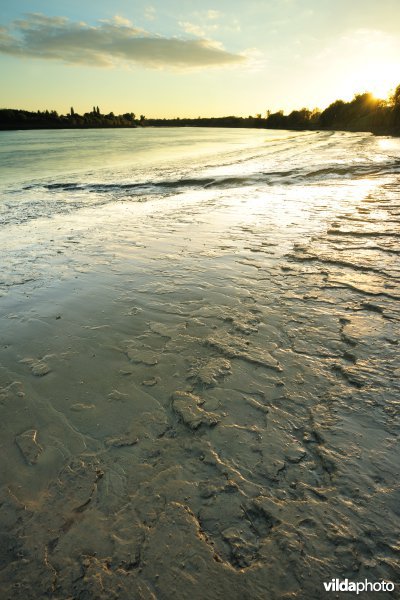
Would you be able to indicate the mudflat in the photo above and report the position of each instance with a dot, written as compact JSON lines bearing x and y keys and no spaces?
{"x":199,"y":391}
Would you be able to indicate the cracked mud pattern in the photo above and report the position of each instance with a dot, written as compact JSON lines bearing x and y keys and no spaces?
{"x":207,"y":419}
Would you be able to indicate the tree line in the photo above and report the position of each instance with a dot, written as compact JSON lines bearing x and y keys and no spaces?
{"x":363,"y":113}
{"x":23,"y":119}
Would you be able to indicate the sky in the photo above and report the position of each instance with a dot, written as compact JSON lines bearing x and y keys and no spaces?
{"x":169,"y":58}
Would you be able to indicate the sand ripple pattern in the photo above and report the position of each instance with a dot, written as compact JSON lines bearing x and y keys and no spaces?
{"x":206,"y":406}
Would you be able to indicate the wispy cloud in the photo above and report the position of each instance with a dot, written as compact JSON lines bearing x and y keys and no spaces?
{"x":213,"y":14}
{"x":192,"y":28}
{"x":117,"y":20}
{"x":210,"y":21}
{"x":150,"y":13}
{"x":108,"y":43}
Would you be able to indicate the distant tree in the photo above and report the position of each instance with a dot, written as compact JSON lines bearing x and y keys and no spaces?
{"x":72,"y":112}
{"x":276,"y":120}
{"x":395,"y":118}
{"x":315,"y":114}
{"x":364,"y":102}
{"x":299,"y":119}
{"x":332,"y":115}
{"x":396,"y":96}
{"x":129,"y":116}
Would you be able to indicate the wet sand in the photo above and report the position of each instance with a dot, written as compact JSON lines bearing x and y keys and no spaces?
{"x":204,"y":404}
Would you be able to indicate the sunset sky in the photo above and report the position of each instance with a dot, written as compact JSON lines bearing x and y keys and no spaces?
{"x":168,"y":58}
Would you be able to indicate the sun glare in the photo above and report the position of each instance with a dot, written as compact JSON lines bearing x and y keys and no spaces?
{"x":378,"y":77}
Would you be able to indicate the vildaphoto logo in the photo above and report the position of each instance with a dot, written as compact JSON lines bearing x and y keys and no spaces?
{"x":344,"y":585}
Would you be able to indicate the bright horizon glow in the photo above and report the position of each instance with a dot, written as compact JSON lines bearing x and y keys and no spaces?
{"x":377,"y":78}
{"x":374,"y":69}
{"x":169,"y":59}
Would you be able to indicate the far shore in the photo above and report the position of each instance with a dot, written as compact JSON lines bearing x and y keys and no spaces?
{"x":100,"y":127}
{"x":364,"y":113}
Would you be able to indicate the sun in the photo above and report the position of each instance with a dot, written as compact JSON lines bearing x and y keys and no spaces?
{"x":378,"y":77}
{"x":382,"y":78}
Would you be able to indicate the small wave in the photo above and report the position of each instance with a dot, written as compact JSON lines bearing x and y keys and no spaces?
{"x":194,"y":183}
{"x":357,"y":170}
{"x":266,"y":176}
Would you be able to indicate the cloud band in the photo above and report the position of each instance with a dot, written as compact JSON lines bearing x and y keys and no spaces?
{"x":107,"y":43}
